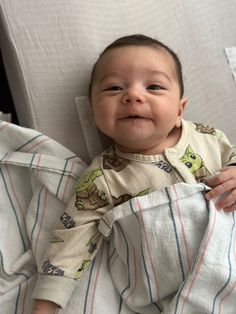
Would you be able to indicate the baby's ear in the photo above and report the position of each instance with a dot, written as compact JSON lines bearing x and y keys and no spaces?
{"x":182,"y":104}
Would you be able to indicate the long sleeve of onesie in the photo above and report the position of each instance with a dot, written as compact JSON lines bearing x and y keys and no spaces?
{"x":76,"y":239}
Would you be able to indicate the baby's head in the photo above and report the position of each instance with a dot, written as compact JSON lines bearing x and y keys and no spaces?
{"x":136,"y":93}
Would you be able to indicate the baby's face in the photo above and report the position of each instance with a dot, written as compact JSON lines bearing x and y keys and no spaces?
{"x":136,"y":99}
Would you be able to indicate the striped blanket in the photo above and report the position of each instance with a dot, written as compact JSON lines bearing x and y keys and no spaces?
{"x":37,"y":176}
{"x":167,"y":252}
{"x":172,"y":252}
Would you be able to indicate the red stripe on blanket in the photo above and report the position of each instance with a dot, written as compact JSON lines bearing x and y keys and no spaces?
{"x":182,"y":229}
{"x":200,"y":261}
{"x":5,"y":125}
{"x":37,"y":144}
{"x":234,"y":284}
{"x":113,"y":260}
{"x":38,"y":163}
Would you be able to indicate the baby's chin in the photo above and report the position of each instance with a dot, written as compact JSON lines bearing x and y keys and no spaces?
{"x":148,"y":145}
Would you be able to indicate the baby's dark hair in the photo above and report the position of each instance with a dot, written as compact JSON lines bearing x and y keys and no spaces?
{"x":142,"y":40}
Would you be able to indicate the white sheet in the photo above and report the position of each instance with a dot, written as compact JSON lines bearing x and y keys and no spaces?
{"x":231,"y":56}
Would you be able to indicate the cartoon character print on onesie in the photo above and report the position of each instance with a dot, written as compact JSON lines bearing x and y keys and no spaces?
{"x":113,"y":162}
{"x":82,"y":268}
{"x":49,"y":268}
{"x":165,"y":166}
{"x":67,"y":221}
{"x":88,"y":196}
{"x":116,"y":163}
{"x":205,"y":128}
{"x":195,"y":164}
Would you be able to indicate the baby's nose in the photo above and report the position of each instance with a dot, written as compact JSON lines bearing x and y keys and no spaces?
{"x":133,"y":95}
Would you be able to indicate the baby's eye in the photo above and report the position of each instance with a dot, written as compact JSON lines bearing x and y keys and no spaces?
{"x":114,"y":88}
{"x":154,"y":87}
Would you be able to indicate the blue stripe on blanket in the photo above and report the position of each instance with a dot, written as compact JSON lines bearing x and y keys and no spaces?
{"x":88,"y":287}
{"x":127,"y":261}
{"x":176,"y":232}
{"x":144,"y":263}
{"x":31,"y":162}
{"x":3,"y":271}
{"x":17,"y":299}
{"x":37,"y":215}
{"x":230,"y":266}
{"x":61,"y":178}
{"x":192,"y":268}
{"x":28,"y":142}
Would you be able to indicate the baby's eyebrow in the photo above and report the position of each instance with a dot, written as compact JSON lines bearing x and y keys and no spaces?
{"x":106,"y":76}
{"x":160,"y":73}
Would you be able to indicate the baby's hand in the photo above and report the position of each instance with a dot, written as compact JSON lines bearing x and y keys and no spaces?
{"x":223,"y":186}
{"x":45,"y":307}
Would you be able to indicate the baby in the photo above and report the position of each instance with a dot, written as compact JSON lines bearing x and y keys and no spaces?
{"x":136,"y":94}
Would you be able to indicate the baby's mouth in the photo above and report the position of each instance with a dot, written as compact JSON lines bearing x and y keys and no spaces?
{"x":133,"y":117}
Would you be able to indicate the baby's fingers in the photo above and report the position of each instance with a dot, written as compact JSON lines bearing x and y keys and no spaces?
{"x":224,"y":174}
{"x":227,"y":201}
{"x":230,"y":208}
{"x":221,"y":189}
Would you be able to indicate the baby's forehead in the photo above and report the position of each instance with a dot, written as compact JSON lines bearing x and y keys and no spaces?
{"x":113,"y":52}
{"x":110,"y":57}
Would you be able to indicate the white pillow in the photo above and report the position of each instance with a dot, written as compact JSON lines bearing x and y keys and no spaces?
{"x":231,"y":56}
{"x":89,"y":130}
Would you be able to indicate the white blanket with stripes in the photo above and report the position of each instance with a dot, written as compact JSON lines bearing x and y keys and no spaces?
{"x":167,"y":252}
